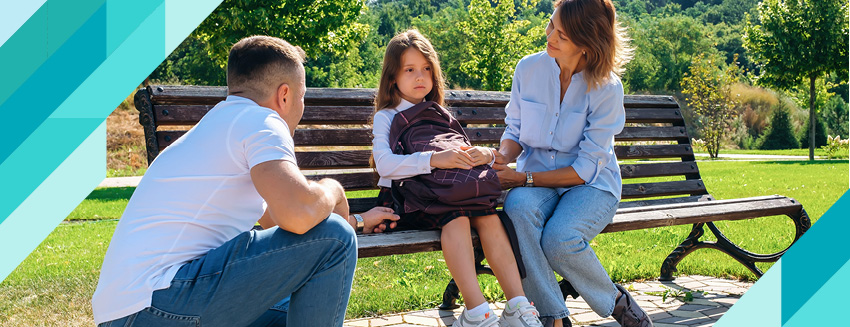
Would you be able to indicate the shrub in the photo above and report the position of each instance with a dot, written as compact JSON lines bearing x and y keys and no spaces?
{"x":779,"y":134}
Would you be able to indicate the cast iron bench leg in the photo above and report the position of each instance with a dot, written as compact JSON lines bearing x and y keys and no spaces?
{"x":801,"y":223}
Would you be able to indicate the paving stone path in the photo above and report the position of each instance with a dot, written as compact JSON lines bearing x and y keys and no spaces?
{"x":711,"y":298}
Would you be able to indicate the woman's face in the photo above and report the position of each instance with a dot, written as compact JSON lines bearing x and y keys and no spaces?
{"x":558,"y":45}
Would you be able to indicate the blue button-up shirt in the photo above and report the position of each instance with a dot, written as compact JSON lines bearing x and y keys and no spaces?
{"x":578,"y":131}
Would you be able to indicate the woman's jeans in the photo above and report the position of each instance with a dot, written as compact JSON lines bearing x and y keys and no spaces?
{"x":242,"y":282}
{"x":554,"y":234}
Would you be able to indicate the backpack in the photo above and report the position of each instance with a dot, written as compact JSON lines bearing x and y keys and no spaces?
{"x":429,"y":127}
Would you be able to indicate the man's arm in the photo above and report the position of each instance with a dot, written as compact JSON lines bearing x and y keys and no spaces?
{"x":294,"y":203}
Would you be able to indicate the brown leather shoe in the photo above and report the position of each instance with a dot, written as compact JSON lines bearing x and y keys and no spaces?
{"x":628,"y":313}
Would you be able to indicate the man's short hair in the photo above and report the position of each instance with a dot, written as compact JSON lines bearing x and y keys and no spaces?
{"x":258,"y":65}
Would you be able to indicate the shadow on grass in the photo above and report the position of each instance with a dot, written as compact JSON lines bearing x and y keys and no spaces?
{"x":111,"y":193}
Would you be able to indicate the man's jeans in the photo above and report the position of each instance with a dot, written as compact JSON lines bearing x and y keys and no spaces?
{"x":242,"y":282}
{"x":554,"y":234}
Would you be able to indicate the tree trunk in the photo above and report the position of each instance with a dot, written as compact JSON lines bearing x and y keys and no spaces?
{"x":812,"y":117}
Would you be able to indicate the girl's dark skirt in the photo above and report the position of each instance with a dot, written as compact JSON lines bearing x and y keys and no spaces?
{"x":422,"y":221}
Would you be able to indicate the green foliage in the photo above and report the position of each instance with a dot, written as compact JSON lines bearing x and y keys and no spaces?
{"x":322,"y":28}
{"x":708,"y":88}
{"x":799,"y":40}
{"x":834,"y":114}
{"x":835,"y":144}
{"x":664,"y":50}
{"x":780,"y":133}
{"x":820,"y":134}
{"x":493,"y":42}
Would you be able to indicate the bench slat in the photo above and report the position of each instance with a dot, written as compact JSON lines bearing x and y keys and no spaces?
{"x":478,"y":135}
{"x":192,"y":94}
{"x":184,"y":114}
{"x":643,"y":190}
{"x":658,"y":169}
{"x":360,"y":158}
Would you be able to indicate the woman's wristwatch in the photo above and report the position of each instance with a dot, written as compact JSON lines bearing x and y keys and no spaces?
{"x":529,"y":180}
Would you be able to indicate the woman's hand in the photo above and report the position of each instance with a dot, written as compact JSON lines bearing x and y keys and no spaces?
{"x":508,"y":177}
{"x":378,"y":220}
{"x":454,"y":158}
{"x":500,"y":158}
{"x":480,"y":155}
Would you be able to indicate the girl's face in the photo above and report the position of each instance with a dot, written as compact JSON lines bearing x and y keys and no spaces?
{"x":558,"y":45}
{"x":414,"y":80}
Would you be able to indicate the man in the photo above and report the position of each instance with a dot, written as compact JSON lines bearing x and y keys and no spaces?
{"x":183,"y":253}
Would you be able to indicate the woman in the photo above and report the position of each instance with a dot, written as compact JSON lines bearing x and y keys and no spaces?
{"x":566,"y":106}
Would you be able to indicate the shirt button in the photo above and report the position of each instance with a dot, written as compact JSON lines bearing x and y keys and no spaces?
{"x":553,"y":157}
{"x":556,"y":114}
{"x":550,"y":133}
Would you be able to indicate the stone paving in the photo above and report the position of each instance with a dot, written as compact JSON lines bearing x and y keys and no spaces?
{"x":711,"y":298}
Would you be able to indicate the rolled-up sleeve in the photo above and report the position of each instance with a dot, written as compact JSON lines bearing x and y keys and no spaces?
{"x":394,"y":166}
{"x":512,"y":111}
{"x":606,"y":118}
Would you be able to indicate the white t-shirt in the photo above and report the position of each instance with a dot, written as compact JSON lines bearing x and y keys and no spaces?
{"x":195,"y":196}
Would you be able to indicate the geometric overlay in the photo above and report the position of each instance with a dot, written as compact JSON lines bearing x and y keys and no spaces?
{"x":67,"y":65}
{"x":808,"y":286}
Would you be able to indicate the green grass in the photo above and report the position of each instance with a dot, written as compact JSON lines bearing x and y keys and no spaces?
{"x":54,"y":284}
{"x":789,"y":152}
{"x":125,"y":172}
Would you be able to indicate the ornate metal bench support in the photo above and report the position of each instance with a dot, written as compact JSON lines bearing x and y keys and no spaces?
{"x":723,"y":244}
{"x":452,"y":293}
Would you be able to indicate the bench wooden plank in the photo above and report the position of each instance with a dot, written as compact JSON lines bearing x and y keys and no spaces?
{"x":370,"y":245}
{"x":658,"y":169}
{"x":652,"y":151}
{"x":643,"y":190}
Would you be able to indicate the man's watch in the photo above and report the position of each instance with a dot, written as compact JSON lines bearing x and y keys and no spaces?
{"x":360,"y":223}
{"x":529,"y":180}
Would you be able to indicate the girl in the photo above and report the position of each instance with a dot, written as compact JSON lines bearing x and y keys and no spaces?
{"x":411,"y":74}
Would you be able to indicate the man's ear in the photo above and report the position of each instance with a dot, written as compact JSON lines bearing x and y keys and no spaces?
{"x":283,"y":92}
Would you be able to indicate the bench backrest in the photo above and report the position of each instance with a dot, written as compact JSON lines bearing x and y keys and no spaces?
{"x":335,"y":136}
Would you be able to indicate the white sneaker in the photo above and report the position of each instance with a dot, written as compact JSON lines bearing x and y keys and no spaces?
{"x":489,"y":319}
{"x":524,"y":315}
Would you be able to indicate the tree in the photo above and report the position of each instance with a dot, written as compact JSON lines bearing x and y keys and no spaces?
{"x":321,"y":28}
{"x":780,"y":134}
{"x":493,"y":43}
{"x":797,"y":40}
{"x":834,"y":115}
{"x":708,"y":90}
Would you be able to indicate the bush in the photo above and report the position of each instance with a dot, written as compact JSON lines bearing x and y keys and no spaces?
{"x":834,"y":116}
{"x":779,"y":134}
{"x":820,"y":135}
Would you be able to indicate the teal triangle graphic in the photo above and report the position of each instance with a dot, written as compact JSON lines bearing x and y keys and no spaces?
{"x":825,"y":307}
{"x":759,"y":306}
{"x":810,"y":263}
{"x":31,"y":39}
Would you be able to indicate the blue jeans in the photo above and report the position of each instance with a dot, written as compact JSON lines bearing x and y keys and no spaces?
{"x":554,"y":234}
{"x":242,"y":282}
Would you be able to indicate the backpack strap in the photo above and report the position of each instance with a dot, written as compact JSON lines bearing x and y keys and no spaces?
{"x":407,"y":118}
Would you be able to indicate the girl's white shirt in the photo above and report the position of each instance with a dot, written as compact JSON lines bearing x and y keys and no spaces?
{"x":395,"y":166}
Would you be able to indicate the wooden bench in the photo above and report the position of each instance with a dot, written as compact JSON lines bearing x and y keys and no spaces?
{"x":334,"y":138}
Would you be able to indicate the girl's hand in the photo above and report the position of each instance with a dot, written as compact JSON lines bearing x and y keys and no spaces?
{"x":454,"y":158}
{"x":378,"y":219}
{"x":508,"y":177}
{"x":480,"y":155}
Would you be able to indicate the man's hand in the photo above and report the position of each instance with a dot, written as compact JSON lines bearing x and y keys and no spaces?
{"x":378,"y":220}
{"x":508,"y":177}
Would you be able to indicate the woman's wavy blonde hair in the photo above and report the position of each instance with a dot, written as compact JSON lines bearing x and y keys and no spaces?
{"x":592,"y":25}
{"x":388,"y":95}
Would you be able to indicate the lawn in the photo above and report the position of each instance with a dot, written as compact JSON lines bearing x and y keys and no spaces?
{"x":54,"y":284}
{"x":819,"y":153}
